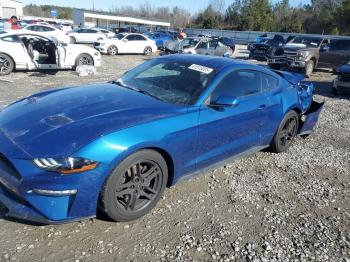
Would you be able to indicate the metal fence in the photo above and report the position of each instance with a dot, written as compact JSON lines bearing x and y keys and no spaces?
{"x":243,"y":37}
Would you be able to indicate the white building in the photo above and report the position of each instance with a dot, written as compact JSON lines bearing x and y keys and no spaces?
{"x":9,"y":8}
{"x":108,"y":20}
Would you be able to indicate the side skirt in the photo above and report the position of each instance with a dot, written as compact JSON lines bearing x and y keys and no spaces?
{"x":220,"y":163}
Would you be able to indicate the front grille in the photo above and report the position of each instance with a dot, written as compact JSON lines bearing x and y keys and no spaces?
{"x":8,"y":168}
{"x":290,"y":55}
{"x":344,"y":78}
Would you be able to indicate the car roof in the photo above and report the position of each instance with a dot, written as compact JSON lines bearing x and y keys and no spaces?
{"x":20,"y":32}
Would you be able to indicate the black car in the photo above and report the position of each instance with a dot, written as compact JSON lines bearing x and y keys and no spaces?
{"x":259,"y":51}
{"x":335,"y":54}
{"x":342,"y":82}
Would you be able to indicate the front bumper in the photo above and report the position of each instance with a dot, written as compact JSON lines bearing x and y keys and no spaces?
{"x":102,"y":49}
{"x":277,"y":61}
{"x":338,"y":85}
{"x":36,"y":195}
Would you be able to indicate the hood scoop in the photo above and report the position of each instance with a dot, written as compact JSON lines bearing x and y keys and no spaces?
{"x":56,"y":120}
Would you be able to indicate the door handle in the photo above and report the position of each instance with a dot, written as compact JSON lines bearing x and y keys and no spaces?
{"x":262,"y":107}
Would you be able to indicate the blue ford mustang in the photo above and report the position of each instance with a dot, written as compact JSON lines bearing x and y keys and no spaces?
{"x":65,"y":153}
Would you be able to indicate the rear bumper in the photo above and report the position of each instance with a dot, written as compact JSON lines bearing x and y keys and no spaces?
{"x":311,"y":118}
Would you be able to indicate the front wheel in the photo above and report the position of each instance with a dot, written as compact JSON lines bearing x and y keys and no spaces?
{"x":286,"y":133}
{"x":309,"y":68}
{"x":135,"y":186}
{"x":112,"y":50}
{"x":147,"y":51}
{"x":6,"y":64}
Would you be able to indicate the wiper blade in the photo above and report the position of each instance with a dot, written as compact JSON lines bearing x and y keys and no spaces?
{"x":122,"y":84}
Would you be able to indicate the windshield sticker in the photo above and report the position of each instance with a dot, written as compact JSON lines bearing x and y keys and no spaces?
{"x":202,"y":69}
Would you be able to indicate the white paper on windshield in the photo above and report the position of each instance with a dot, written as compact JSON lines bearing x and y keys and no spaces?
{"x":202,"y":69}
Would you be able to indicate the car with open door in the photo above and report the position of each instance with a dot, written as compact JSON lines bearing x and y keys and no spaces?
{"x":126,"y":43}
{"x":66,"y":153}
{"x":24,"y":51}
{"x":86,"y":35}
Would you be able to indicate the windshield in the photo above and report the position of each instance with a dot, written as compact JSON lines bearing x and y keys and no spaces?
{"x":189,"y":42}
{"x":307,"y":41}
{"x":119,"y":36}
{"x":171,"y":81}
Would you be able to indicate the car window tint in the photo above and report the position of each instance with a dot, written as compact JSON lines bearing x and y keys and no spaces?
{"x":238,"y":84}
{"x":268,"y":82}
{"x":131,"y":37}
{"x":31,"y":28}
{"x":12,"y":38}
{"x":338,"y":45}
{"x":139,"y":38}
{"x":48,"y":29}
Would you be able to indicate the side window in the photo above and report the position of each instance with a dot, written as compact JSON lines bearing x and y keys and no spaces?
{"x":139,"y":38}
{"x":12,"y":38}
{"x":48,"y":29}
{"x":31,"y":28}
{"x":238,"y":84}
{"x":340,"y":45}
{"x":268,"y":82}
{"x":131,"y":37}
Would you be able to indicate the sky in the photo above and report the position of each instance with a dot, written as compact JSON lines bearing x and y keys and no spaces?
{"x":105,"y":5}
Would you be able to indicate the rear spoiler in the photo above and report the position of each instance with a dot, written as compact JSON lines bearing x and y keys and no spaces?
{"x":293,"y":78}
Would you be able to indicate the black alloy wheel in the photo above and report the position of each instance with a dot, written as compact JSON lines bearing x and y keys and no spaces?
{"x":286,"y":133}
{"x":135,"y":186}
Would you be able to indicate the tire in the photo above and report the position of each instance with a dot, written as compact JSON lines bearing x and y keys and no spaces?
{"x":309,"y":68}
{"x":7,"y":65}
{"x":129,"y":193}
{"x":147,"y":51}
{"x":84,"y":59}
{"x":73,"y":40}
{"x":286,"y":133}
{"x":112,"y":50}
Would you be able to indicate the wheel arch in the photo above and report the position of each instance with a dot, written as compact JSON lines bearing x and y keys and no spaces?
{"x":76,"y":58}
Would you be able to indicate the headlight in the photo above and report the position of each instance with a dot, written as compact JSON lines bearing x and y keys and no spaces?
{"x":302,"y":54}
{"x":70,"y":165}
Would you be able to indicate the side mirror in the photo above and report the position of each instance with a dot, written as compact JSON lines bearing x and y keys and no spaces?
{"x":226,"y":101}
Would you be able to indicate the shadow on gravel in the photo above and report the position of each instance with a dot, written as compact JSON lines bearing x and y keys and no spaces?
{"x":44,"y":73}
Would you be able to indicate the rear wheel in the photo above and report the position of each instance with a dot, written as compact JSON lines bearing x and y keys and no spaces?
{"x":147,"y":51}
{"x":6,"y":64}
{"x":135,"y":186}
{"x":112,"y":50}
{"x":286,"y":133}
{"x":309,"y":68}
{"x":84,"y":59}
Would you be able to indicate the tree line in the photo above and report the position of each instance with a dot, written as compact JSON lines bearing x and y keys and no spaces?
{"x":319,"y":16}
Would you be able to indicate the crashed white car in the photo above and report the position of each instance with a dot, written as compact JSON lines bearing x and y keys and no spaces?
{"x":126,"y":43}
{"x":23,"y":51}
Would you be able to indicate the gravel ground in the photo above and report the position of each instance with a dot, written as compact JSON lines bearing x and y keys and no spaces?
{"x":267,"y":207}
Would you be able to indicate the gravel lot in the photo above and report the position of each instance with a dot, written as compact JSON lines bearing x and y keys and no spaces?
{"x":293,"y":206}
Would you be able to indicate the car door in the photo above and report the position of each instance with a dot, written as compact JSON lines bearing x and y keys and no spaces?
{"x":16,"y":49}
{"x":131,"y":44}
{"x":225,"y":131}
{"x":335,"y":54}
{"x":140,"y":44}
{"x":272,"y":114}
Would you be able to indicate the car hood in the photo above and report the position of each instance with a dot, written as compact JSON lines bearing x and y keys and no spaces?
{"x":58,"y":122}
{"x":344,"y":69}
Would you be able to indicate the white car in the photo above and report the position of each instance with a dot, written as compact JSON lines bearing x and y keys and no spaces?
{"x":24,"y":51}
{"x":47,"y":31}
{"x":108,"y":33}
{"x":126,"y":43}
{"x":86,"y":35}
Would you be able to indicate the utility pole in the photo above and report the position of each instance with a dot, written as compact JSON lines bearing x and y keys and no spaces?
{"x":93,"y":5}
